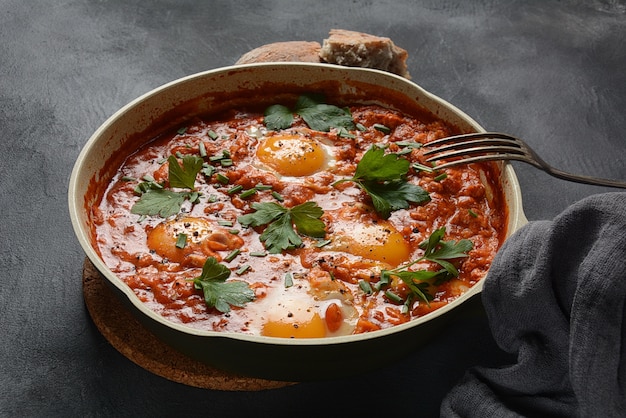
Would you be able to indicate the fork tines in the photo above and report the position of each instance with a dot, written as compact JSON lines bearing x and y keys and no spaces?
{"x":491,"y":146}
{"x":467,"y":148}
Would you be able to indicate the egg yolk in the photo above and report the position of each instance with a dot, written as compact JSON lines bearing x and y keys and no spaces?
{"x":290,"y":315}
{"x":200,"y":237}
{"x":381,"y":242}
{"x":302,"y":325}
{"x":292,"y":155}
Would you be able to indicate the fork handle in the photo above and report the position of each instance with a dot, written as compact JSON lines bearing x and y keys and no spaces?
{"x":586,"y":179}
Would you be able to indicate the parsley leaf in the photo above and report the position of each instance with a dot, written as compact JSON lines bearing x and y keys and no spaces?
{"x":416,"y":281}
{"x":382,"y":176}
{"x":278,"y":117}
{"x":435,"y":250}
{"x":439,"y":251}
{"x":164,"y":203}
{"x":309,"y":100}
{"x":323,"y":117}
{"x":217,"y":291}
{"x":184,"y":176}
{"x":306,"y":217}
{"x":280,"y":234}
{"x":375,"y":165}
{"x":394,"y":195}
{"x":317,"y":115}
{"x":265,"y":213}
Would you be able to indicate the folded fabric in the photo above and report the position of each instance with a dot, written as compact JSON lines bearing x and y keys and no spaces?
{"x":555,"y":297}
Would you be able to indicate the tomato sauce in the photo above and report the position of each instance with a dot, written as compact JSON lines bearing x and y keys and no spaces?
{"x":326,"y":286}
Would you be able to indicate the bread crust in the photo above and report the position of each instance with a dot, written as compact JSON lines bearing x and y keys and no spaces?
{"x":342,"y":47}
{"x":357,"y":49}
{"x":291,"y":51}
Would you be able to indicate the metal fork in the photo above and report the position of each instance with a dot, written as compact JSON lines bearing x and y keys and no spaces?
{"x":490,"y":146}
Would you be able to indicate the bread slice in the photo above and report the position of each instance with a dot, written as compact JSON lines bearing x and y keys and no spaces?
{"x":298,"y":51}
{"x":357,"y":49}
{"x":343,"y":47}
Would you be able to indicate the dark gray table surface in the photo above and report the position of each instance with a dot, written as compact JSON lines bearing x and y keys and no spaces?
{"x":552,"y":72}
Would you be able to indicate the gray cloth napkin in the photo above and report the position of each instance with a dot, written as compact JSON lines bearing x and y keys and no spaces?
{"x":555,"y":297}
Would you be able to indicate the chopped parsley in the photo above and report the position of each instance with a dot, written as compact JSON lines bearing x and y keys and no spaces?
{"x":147,"y":184}
{"x":279,"y":234}
{"x":382,"y":128}
{"x":382,"y":176}
{"x":288,"y":279}
{"x":181,"y":241}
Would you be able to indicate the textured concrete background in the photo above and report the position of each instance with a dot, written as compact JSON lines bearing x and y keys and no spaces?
{"x":551,"y":72}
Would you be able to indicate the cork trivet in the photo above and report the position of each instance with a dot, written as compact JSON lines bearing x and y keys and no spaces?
{"x":118,"y":325}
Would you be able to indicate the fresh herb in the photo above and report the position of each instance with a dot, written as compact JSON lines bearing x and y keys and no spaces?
{"x":382,"y":176}
{"x":184,"y":176}
{"x":408,"y":146}
{"x":277,"y":117}
{"x":437,"y":251}
{"x":241,"y":270}
{"x":317,"y":115}
{"x":224,"y":159}
{"x":344,"y":133}
{"x":288,"y":279}
{"x":422,"y":167}
{"x":247,"y":193}
{"x":262,"y":186}
{"x":202,"y":149}
{"x":235,"y":189}
{"x":278,"y":196}
{"x":382,"y":128}
{"x":441,"y":176}
{"x":207,"y":169}
{"x":231,"y":256}
{"x":194,"y":197}
{"x":366,"y":287}
{"x":155,"y":200}
{"x":148,"y":183}
{"x":219,"y":293}
{"x":393,"y":297}
{"x":323,"y":243}
{"x":280,"y":234}
{"x":163,"y":203}
{"x":222,"y":178}
{"x":181,"y":240}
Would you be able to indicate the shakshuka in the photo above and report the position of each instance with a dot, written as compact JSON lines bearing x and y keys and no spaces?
{"x":299,"y":220}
